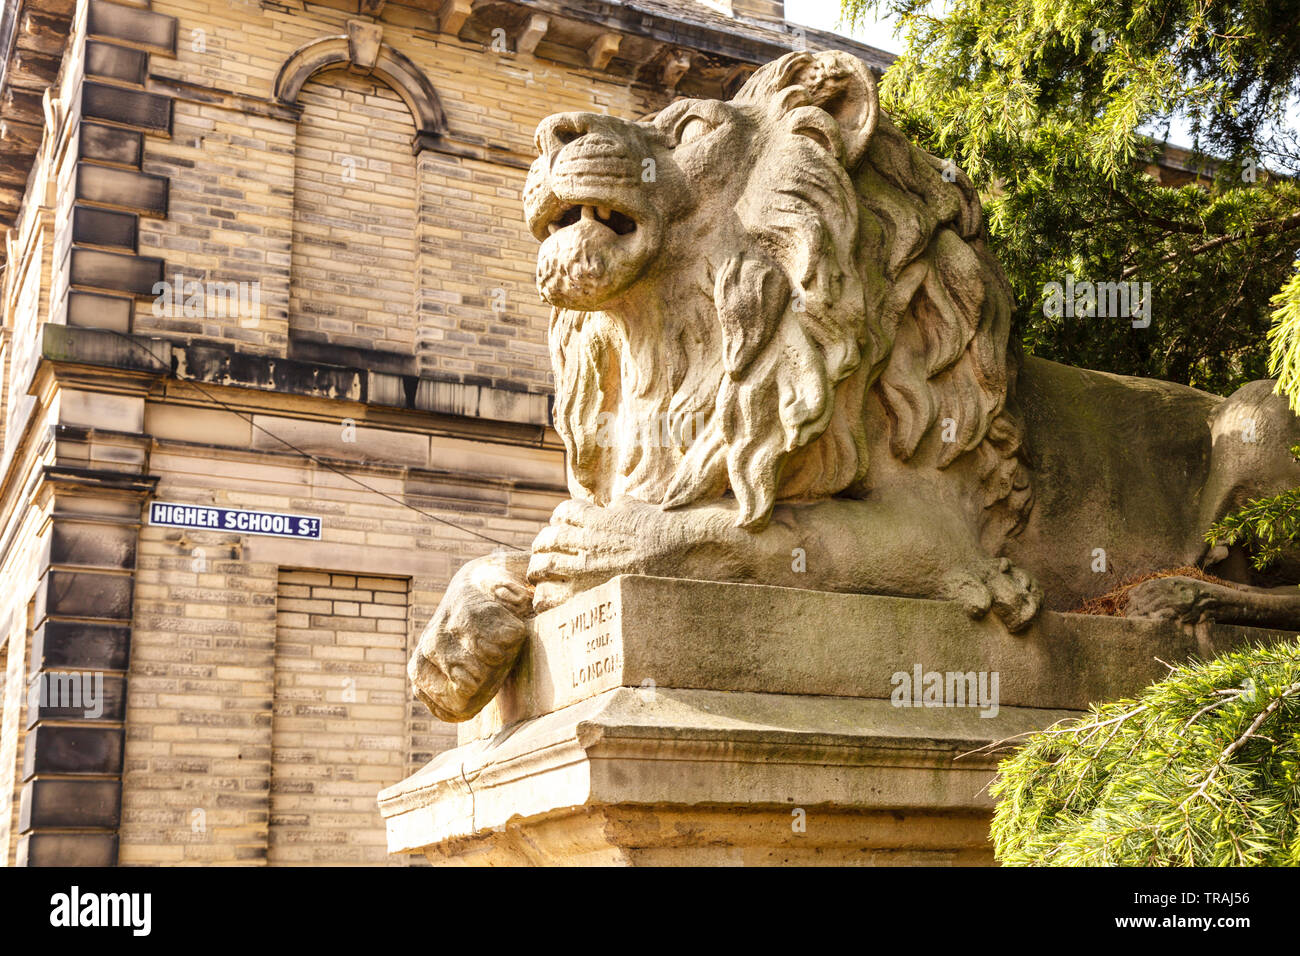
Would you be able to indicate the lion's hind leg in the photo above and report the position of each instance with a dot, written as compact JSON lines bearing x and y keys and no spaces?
{"x":1193,"y":601}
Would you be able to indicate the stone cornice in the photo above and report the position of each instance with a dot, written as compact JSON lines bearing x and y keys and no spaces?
{"x":220,"y":364}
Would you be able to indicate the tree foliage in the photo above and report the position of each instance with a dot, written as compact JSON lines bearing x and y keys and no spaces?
{"x":1043,"y":103}
{"x":1265,"y":527}
{"x":1284,"y":340}
{"x":1057,"y":110}
{"x":1202,"y":770}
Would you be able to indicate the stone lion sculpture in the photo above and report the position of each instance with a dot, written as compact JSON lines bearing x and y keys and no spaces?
{"x":780,"y":346}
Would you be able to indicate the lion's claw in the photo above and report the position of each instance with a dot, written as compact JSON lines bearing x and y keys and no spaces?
{"x":1174,"y":598}
{"x":1000,"y":587}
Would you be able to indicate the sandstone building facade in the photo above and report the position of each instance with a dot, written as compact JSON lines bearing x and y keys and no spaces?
{"x":269,"y":257}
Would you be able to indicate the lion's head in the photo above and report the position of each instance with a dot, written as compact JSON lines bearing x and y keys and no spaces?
{"x":740,"y":287}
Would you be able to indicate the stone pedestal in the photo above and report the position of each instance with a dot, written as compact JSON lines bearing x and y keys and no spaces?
{"x":657,"y":721}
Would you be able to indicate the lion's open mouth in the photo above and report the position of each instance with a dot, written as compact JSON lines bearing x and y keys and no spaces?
{"x":619,"y":222}
{"x":593,"y":245}
{"x":590,"y":251}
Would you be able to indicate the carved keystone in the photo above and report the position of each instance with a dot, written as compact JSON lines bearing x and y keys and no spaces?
{"x":363,"y":45}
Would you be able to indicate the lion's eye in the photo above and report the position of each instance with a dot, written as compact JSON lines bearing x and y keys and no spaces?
{"x":691,"y":129}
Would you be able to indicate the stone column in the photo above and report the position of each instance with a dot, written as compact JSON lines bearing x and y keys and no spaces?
{"x":92,"y":494}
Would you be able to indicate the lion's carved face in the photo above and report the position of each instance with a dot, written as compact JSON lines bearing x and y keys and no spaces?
{"x":610,"y":199}
{"x":734,"y":282}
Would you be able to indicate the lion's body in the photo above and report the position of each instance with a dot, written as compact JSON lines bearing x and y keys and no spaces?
{"x":1134,"y":472}
{"x":1116,"y":513}
{"x":791,"y":340}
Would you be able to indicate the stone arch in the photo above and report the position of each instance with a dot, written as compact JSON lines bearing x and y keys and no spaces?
{"x":353,"y":271}
{"x":362,"y":52}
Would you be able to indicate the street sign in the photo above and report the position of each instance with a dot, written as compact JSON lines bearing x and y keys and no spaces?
{"x":233,"y":519}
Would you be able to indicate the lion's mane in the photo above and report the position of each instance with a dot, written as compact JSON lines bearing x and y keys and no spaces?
{"x":858,"y":285}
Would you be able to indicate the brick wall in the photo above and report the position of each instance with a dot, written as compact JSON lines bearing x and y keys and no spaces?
{"x":221,"y":661}
{"x":354,"y":216}
{"x":229,"y":219}
{"x":340,"y":731}
{"x":236,"y":153}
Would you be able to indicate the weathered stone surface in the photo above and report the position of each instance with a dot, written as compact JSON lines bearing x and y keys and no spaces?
{"x":114,"y":62}
{"x":115,"y":104}
{"x":507,"y":405}
{"x":153,"y":31}
{"x":732,"y":836}
{"x":305,"y":349}
{"x":607,"y":780}
{"x":80,"y":645}
{"x":70,"y":803}
{"x":58,"y":749}
{"x":103,"y":227}
{"x":92,"y":544}
{"x":207,"y":363}
{"x":661,"y":632}
{"x":81,"y":342}
{"x":84,"y":594}
{"x":529,"y":468}
{"x":98,"y":697}
{"x":123,"y":413}
{"x":111,"y":145}
{"x":103,"y":347}
{"x":67,"y":849}
{"x":92,"y":310}
{"x":339,"y":440}
{"x":217,"y":426}
{"x":141,"y":192}
{"x":112,"y":270}
{"x":818,"y":394}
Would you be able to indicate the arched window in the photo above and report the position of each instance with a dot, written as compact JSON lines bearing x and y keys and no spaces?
{"x":355,"y":216}
{"x":353,"y":279}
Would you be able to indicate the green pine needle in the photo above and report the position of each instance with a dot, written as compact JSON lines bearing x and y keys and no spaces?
{"x":1202,"y":770}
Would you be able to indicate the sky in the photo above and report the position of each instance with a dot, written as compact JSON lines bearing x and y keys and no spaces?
{"x":825,"y":15}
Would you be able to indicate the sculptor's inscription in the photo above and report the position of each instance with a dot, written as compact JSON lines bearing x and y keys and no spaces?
{"x":587,"y":637}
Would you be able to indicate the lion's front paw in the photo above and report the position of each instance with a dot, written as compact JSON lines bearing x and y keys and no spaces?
{"x":585,"y":545}
{"x":473,"y":638}
{"x":1000,"y":587}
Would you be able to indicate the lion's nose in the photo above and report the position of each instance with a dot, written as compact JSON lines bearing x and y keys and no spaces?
{"x":556,"y":132}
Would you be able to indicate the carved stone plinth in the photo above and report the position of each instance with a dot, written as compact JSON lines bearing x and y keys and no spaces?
{"x":661,"y":721}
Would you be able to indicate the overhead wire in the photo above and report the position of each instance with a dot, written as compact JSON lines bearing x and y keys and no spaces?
{"x":309,"y":456}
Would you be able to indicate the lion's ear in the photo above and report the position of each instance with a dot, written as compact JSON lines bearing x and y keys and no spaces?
{"x":833,"y":81}
{"x":750,"y":294}
{"x":843,"y":86}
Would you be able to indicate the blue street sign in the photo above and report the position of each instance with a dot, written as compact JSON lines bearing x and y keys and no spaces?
{"x":233,"y":519}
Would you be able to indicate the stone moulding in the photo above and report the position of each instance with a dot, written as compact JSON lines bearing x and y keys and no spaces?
{"x":719,"y":711}
{"x":706,"y":777}
{"x":221,"y":364}
{"x":388,"y":64}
